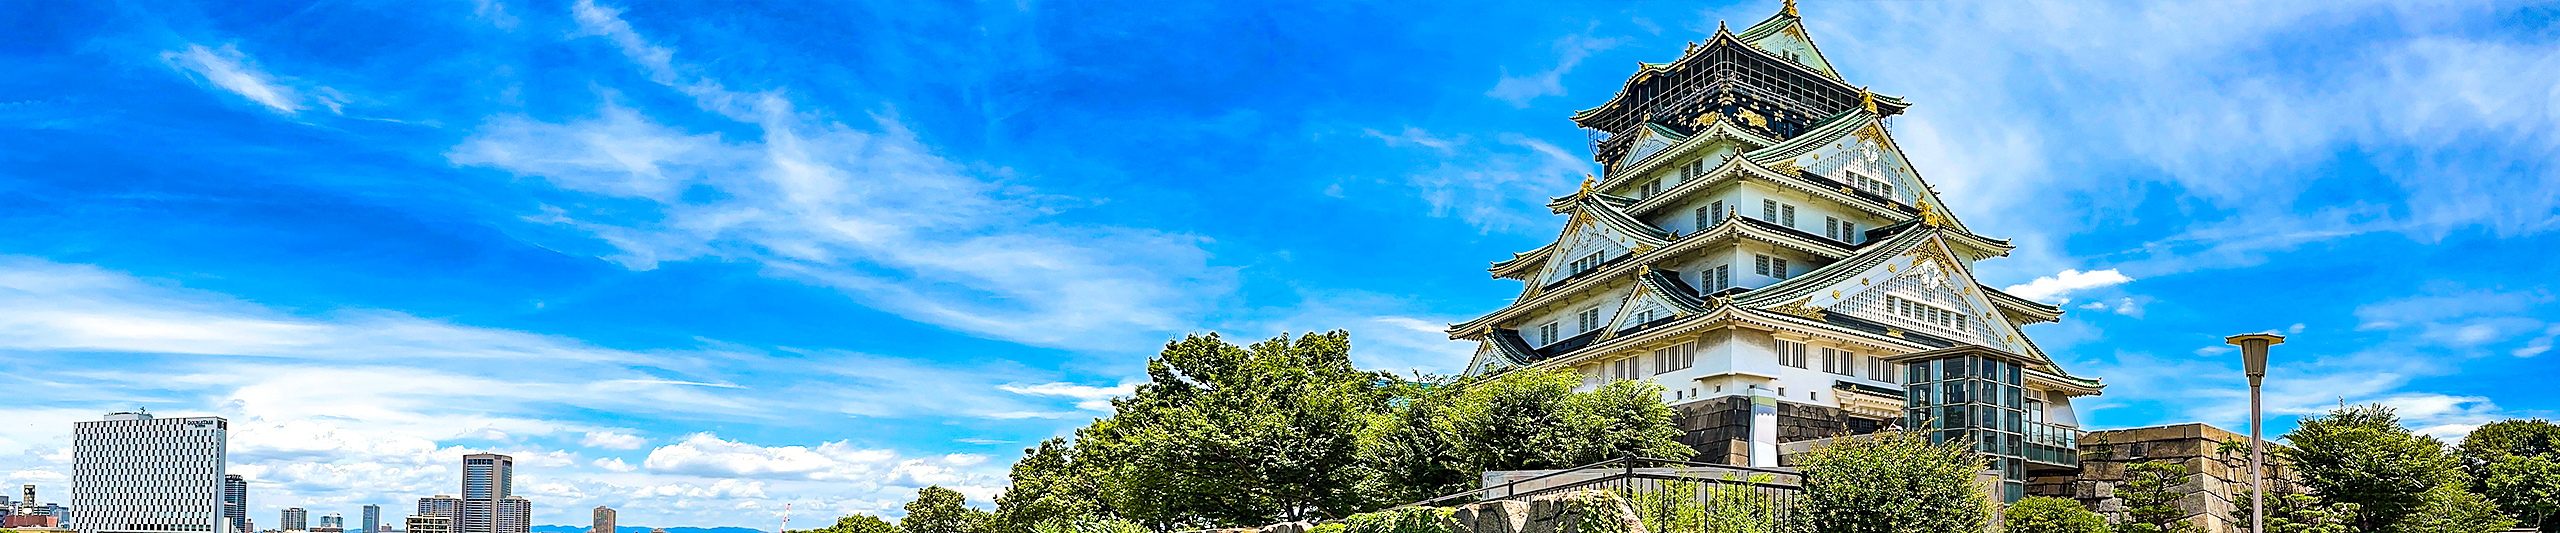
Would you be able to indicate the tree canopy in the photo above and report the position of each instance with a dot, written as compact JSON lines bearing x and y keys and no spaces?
{"x":1288,"y":429}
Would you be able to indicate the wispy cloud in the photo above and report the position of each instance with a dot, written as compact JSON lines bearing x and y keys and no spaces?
{"x":1496,"y":186}
{"x":864,"y":208}
{"x":229,"y":69}
{"x":1570,"y":50}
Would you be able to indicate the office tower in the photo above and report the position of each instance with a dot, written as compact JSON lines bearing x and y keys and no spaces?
{"x":372,"y":518}
{"x":605,"y":518}
{"x":486,"y":479}
{"x":440,"y":505}
{"x":235,"y":503}
{"x":514,"y":515}
{"x":296,"y":519}
{"x":333,"y":521}
{"x":135,"y":473}
{"x":430,"y":524}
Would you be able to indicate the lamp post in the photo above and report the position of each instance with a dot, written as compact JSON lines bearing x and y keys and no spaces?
{"x":2253,"y":359}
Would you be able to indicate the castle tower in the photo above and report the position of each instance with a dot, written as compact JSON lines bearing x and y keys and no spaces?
{"x":1759,"y":246}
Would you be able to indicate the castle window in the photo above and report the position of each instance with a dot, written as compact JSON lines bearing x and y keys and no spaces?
{"x":1716,"y":209}
{"x":1787,"y":215}
{"x":1590,"y":319}
{"x":1677,"y":357}
{"x":1791,"y":353}
{"x":1586,"y":263}
{"x":1547,"y":334}
{"x":1831,"y":228}
{"x":1704,"y":221}
{"x":1925,"y":313}
{"x":1848,"y":231}
{"x":1769,"y":210}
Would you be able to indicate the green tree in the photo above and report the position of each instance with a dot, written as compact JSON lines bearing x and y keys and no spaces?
{"x":1222,"y":435}
{"x":2449,"y":508}
{"x":1891,"y":482}
{"x":2362,"y":455}
{"x":2516,"y":464}
{"x":2151,"y":492}
{"x":1443,"y":437}
{"x":1410,"y":456}
{"x":941,"y":510}
{"x":860,"y":523}
{"x":2294,"y":512}
{"x":2046,"y":514}
{"x":1048,"y":484}
{"x":2526,"y":487}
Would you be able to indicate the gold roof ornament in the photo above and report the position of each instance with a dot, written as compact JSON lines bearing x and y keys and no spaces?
{"x":1868,"y":100}
{"x":1929,"y":215}
{"x":1789,"y":10}
{"x":1587,"y":181}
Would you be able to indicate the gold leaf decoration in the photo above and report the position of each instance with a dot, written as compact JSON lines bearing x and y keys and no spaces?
{"x":1932,"y":253}
{"x":1802,"y":308}
{"x":1787,"y":167}
{"x":1754,"y":119}
{"x":1873,"y":134}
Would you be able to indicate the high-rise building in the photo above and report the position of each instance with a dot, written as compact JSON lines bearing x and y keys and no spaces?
{"x":235,"y":503}
{"x":514,"y":515}
{"x":372,"y":518}
{"x":605,"y":518}
{"x":333,"y":521}
{"x":487,"y":478}
{"x":429,"y":524}
{"x":1758,"y":245}
{"x":135,"y":473}
{"x":441,"y":505}
{"x":296,"y":519}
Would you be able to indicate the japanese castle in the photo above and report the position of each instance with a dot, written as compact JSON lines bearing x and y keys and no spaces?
{"x":1759,"y":246}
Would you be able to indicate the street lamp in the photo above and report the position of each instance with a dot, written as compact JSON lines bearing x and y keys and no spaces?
{"x":2253,"y":356}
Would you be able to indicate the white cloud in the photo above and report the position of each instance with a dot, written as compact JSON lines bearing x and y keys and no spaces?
{"x":614,"y":464}
{"x":2442,"y":416}
{"x":2123,"y":306}
{"x":231,"y":70}
{"x":340,"y":408}
{"x":2539,"y":344}
{"x":611,"y":440}
{"x":1089,"y":398}
{"x":1570,"y":51}
{"x":1497,"y":186}
{"x":864,"y":208}
{"x":2053,"y":288}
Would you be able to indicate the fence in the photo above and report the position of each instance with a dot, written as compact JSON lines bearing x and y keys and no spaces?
{"x":1671,"y":495}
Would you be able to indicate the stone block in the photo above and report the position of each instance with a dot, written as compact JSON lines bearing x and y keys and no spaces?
{"x":1493,"y":517}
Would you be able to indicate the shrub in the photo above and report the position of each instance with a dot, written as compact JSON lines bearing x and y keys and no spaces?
{"x":2043,"y":514}
{"x":2151,"y":493}
{"x":1741,"y":508}
{"x":1403,"y":520}
{"x":1892,"y":482}
{"x":1595,"y":511}
{"x":1088,"y":525}
{"x":1671,"y":507}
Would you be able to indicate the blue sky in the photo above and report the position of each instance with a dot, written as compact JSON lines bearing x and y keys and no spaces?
{"x":697,"y":261}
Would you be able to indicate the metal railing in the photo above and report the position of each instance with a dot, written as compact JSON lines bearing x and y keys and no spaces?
{"x":1705,"y":492}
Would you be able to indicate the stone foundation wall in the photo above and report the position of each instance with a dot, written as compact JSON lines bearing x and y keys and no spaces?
{"x":1720,"y":428}
{"x":2219,"y":478}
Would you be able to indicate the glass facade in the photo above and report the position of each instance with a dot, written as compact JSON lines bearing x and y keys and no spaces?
{"x":1976,"y":400}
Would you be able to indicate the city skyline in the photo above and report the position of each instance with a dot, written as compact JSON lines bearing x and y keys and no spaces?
{"x":702,"y":264}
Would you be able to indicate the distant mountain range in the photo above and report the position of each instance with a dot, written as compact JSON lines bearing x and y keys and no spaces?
{"x":643,"y":529}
